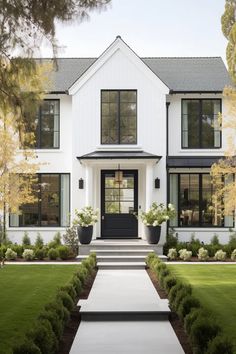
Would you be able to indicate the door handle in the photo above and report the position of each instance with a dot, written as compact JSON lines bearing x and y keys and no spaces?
{"x":103,"y":217}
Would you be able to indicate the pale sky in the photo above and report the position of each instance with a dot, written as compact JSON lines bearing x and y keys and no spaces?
{"x":150,"y":28}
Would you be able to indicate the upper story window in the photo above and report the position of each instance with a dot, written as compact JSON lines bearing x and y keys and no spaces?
{"x":47,"y":125}
{"x":200,"y":126}
{"x":119,"y":116}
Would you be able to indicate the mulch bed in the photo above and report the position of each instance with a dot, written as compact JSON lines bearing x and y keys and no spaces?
{"x":72,"y":326}
{"x":173,"y":318}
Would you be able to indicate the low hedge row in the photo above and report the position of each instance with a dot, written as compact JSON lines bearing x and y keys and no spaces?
{"x":205,"y":335}
{"x":47,"y":330}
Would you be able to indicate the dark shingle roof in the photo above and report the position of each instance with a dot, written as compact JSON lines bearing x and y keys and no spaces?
{"x":179,"y":74}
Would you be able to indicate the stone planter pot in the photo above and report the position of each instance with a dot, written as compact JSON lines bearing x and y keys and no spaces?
{"x":153,"y":234}
{"x":85,"y":234}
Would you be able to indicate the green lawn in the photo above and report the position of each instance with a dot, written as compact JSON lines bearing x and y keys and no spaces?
{"x":24,"y":290}
{"x":215,"y":286}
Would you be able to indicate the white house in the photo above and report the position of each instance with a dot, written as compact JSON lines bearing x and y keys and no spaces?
{"x":119,"y":132}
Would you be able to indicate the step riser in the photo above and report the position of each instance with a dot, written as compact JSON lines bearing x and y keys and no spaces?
{"x":125,"y":317}
{"x":104,"y":266}
{"x":120,"y":259}
{"x":120,"y":253}
{"x":86,"y":249}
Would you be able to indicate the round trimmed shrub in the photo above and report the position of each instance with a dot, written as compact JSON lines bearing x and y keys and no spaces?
{"x":60,"y":309}
{"x":186,"y":305}
{"x":82,"y":273}
{"x":87,"y":264}
{"x":179,"y":286}
{"x":40,"y":253}
{"x":172,"y":254}
{"x":185,"y":255}
{"x":202,"y":331}
{"x":180,"y":295}
{"x":77,"y":284}
{"x":18,"y":249}
{"x":203,"y":254}
{"x":162,"y":275}
{"x":233,"y":255}
{"x":10,"y":254}
{"x":28,"y":347}
{"x":66,"y":300}
{"x":44,"y":337}
{"x":64,"y":252}
{"x":28,"y":254}
{"x":192,"y":317}
{"x":220,"y":345}
{"x":69,"y":289}
{"x":53,"y":318}
{"x":159,"y":267}
{"x":53,"y":254}
{"x":169,"y":282}
{"x":220,"y":255}
{"x":151,"y":257}
{"x":93,"y":258}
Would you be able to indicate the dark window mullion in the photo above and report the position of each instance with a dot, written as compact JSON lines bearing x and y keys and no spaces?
{"x":200,"y":191}
{"x":179,"y":200}
{"x":200,"y":125}
{"x":39,"y":199}
{"x":39,"y":127}
{"x":118,"y":113}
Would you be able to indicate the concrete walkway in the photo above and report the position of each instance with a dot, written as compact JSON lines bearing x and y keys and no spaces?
{"x":123,"y":315}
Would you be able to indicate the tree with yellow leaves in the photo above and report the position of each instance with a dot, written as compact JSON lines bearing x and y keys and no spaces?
{"x":224,"y":171}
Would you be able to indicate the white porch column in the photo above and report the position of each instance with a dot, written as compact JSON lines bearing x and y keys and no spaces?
{"x":89,"y":186}
{"x":149,"y":185}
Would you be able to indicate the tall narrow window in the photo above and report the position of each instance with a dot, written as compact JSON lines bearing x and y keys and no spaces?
{"x":52,"y":205}
{"x":47,"y":125}
{"x":200,"y":126}
{"x":119,"y":116}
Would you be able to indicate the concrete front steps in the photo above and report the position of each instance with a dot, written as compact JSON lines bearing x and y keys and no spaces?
{"x":119,"y":254}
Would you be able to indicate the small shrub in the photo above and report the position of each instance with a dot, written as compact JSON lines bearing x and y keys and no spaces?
{"x":177,"y":293}
{"x":59,"y":308}
{"x":220,"y":255}
{"x":186,"y":305}
{"x":69,"y":289}
{"x":171,"y":241}
{"x":77,"y":284}
{"x":172,"y":254}
{"x":39,"y":241}
{"x":40,"y":253}
{"x":10,"y":254}
{"x":27,"y":347}
{"x":212,"y":249}
{"x":162,"y":275}
{"x":87,"y":264}
{"x":215,"y":240}
{"x":53,"y":254}
{"x":56,"y":241}
{"x":159,"y":267}
{"x":150,"y":258}
{"x":55,"y":321}
{"x":82,"y":273}
{"x":220,"y":345}
{"x":70,"y":238}
{"x":185,"y":255}
{"x":66,"y":300}
{"x":28,"y":255}
{"x":26,"y":240}
{"x":180,"y":296}
{"x":19,"y":249}
{"x":203,"y":254}
{"x":202,"y":331}
{"x":169,"y":282}
{"x":63,"y":252}
{"x":44,"y":337}
{"x":93,"y":259}
{"x":192,"y":316}
{"x":233,"y":255}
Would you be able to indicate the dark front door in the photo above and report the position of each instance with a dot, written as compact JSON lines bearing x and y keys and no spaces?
{"x":119,"y":196}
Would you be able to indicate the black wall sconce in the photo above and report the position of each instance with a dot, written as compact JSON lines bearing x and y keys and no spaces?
{"x":81,"y":183}
{"x":157,"y":183}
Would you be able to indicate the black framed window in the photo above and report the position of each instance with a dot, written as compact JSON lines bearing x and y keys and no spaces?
{"x":191,"y":194}
{"x":200,"y":125}
{"x":47,"y":125}
{"x":118,"y":116}
{"x":52,"y":207}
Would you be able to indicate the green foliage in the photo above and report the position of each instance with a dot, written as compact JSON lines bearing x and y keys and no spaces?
{"x":40,"y":253}
{"x":77,"y":284}
{"x":28,"y":254}
{"x":157,"y":214}
{"x":219,"y":345}
{"x":186,"y":305}
{"x":82,"y":273}
{"x":56,"y":241}
{"x":66,"y":299}
{"x":26,"y":240}
{"x":88,"y":264}
{"x":53,"y":254}
{"x":39,"y":241}
{"x":192,"y":316}
{"x":171,"y":241}
{"x":163,"y":273}
{"x":169,"y":282}
{"x":28,"y":347}
{"x":55,"y":321}
{"x":18,"y":249}
{"x":44,"y":337}
{"x":70,"y":238}
{"x":60,"y":310}
{"x":180,"y":287}
{"x":10,"y":254}
{"x":69,"y":289}
{"x":64,"y":252}
{"x":202,"y":331}
{"x":215,"y":240}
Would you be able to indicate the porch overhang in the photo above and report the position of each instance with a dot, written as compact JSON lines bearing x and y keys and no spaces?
{"x":191,"y":161}
{"x":119,"y":155}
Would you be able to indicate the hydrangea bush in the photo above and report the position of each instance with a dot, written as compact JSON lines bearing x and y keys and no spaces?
{"x":157,"y":214}
{"x":220,"y":255}
{"x":203,"y":254}
{"x":233,"y":255}
{"x":10,"y":254}
{"x":172,"y":254}
{"x":87,"y":216}
{"x":185,"y":255}
{"x":28,"y":254}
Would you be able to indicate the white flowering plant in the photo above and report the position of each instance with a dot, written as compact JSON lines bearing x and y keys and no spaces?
{"x":172,"y":254}
{"x":203,"y":254}
{"x":85,"y":217}
{"x":233,"y":255}
{"x":185,"y":255}
{"x":157,"y":214}
{"x":28,"y":254}
{"x":220,"y":255}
